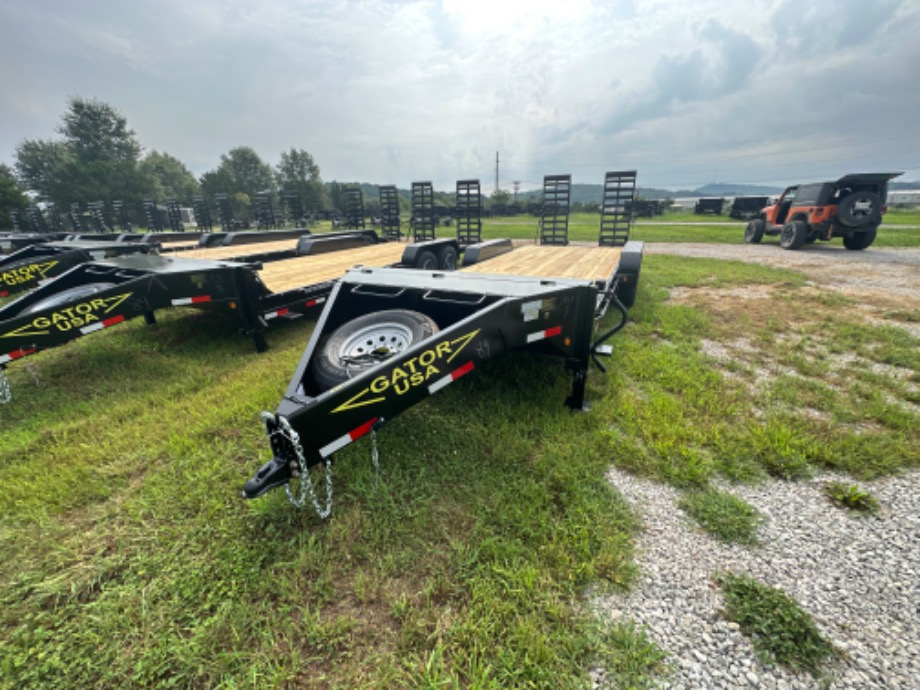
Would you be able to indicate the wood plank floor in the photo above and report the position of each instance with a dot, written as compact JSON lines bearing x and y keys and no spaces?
{"x":236,"y":250}
{"x":280,"y":276}
{"x":585,"y":263}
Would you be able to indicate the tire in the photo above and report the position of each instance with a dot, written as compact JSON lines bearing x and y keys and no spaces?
{"x":753,"y":231}
{"x":860,"y":209}
{"x":365,"y":342}
{"x":860,"y":240}
{"x":426,"y":260}
{"x":447,"y":258}
{"x":793,"y":235}
{"x":69,"y":295}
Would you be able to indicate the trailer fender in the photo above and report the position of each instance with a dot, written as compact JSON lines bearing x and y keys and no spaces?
{"x":483,"y":251}
{"x":628,"y":273}
{"x":425,"y":255}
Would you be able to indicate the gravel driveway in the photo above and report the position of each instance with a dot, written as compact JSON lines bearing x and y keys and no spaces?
{"x":858,"y":577}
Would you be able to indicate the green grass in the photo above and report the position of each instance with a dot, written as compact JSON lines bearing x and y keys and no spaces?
{"x":132,"y":561}
{"x":779,"y":629}
{"x":681,"y":227}
{"x":851,"y":496}
{"x":722,"y":514}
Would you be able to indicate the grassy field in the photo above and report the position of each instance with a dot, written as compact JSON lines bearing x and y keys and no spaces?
{"x":686,"y":227}
{"x":132,"y":561}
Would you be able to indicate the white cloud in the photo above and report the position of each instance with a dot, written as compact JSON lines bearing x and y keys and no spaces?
{"x":395,"y":91}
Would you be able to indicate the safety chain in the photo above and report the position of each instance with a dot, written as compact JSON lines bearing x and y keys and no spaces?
{"x":6,"y":391}
{"x":306,"y":485}
{"x":375,"y":460}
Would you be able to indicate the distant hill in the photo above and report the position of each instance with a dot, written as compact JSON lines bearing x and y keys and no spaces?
{"x":593,"y":193}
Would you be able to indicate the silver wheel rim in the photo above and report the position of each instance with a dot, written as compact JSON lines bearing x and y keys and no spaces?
{"x":383,"y":339}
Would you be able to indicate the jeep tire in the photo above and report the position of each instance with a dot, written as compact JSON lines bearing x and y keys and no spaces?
{"x":793,"y":235}
{"x":860,"y":209}
{"x":753,"y":231}
{"x":860,"y":240}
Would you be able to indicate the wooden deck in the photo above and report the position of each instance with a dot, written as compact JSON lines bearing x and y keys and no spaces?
{"x":280,"y":276}
{"x":584,"y":263}
{"x":237,"y":250}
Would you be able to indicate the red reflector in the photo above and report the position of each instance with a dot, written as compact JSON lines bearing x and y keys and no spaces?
{"x":465,"y":369}
{"x":200,"y":299}
{"x":550,"y":332}
{"x":112,"y":321}
{"x":311,"y":303}
{"x":362,"y":430}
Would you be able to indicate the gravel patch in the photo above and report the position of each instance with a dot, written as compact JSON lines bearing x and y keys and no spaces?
{"x":858,"y":577}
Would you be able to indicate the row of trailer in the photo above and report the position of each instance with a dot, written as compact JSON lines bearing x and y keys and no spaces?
{"x":397,"y":321}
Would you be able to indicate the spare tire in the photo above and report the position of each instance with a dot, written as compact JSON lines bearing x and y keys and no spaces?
{"x":860,"y":209}
{"x":367,"y":341}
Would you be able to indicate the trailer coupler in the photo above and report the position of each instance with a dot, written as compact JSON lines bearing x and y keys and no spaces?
{"x":284,"y":466}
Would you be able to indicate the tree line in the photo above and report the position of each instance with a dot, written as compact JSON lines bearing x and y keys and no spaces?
{"x":97,"y":157}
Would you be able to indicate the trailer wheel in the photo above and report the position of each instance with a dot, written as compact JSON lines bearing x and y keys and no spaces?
{"x":363,"y":343}
{"x":793,"y":235}
{"x":447,"y":258}
{"x":426,"y":260}
{"x":859,"y":209}
{"x":753,"y":231}
{"x":65,"y":296}
{"x":860,"y":240}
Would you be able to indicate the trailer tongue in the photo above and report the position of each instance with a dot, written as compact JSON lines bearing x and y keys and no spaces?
{"x":389,"y":338}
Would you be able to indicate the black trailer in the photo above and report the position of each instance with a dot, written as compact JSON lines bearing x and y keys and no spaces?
{"x":747,"y":207}
{"x":390,"y":338}
{"x":709,"y":206}
{"x":101,"y":294}
{"x":24,"y":269}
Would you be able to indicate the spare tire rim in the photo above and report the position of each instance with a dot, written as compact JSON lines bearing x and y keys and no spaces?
{"x":376,"y":342}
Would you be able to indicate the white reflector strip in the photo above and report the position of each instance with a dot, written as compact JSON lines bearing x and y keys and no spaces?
{"x":86,"y":330}
{"x":542,"y":335}
{"x":182,"y":301}
{"x":276,"y":314}
{"x":343,"y":441}
{"x":314,"y":302}
{"x":450,"y":378}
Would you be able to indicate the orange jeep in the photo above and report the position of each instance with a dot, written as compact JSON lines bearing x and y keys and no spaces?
{"x":850,"y":208}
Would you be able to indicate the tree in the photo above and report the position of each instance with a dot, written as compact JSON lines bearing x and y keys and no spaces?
{"x":500,"y":197}
{"x":98,"y":132}
{"x":95,"y":161}
{"x":167,"y":177}
{"x":241,"y":175}
{"x":39,"y":163}
{"x":298,"y":172}
{"x":12,"y":197}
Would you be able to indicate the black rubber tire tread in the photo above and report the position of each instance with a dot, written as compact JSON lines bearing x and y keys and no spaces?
{"x":426,"y":260}
{"x":846,"y":210}
{"x":329,"y":370}
{"x":860,"y":240}
{"x":753,"y":231}
{"x":69,"y":295}
{"x":793,"y":235}
{"x":447,"y":258}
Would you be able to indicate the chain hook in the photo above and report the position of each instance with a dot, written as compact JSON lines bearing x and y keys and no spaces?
{"x":6,"y":391}
{"x":306,"y":485}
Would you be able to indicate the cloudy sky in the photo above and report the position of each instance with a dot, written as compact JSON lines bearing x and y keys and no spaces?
{"x":393,"y":91}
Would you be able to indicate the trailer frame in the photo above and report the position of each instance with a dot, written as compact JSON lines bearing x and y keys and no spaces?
{"x":480,"y":315}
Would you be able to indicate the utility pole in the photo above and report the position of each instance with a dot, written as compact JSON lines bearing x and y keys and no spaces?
{"x":496,"y":171}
